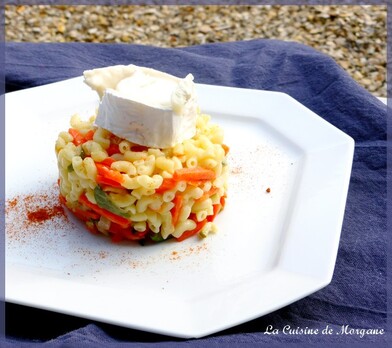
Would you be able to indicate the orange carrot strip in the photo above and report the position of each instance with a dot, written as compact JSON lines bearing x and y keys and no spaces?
{"x":120,"y":220}
{"x":226,"y":148}
{"x":223,"y":202}
{"x":167,"y":184}
{"x":89,"y":135}
{"x":108,"y":161}
{"x":78,"y":138}
{"x":109,"y":173}
{"x":194,"y":174}
{"x":105,"y":181}
{"x":175,"y":211}
{"x":196,"y":230}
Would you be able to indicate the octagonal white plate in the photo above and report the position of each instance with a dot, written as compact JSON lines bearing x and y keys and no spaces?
{"x":271,"y":249}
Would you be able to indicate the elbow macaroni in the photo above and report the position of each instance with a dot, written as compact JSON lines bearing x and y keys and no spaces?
{"x":134,"y":206}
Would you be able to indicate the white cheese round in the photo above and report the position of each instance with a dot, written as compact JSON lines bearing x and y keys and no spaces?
{"x":145,"y":106}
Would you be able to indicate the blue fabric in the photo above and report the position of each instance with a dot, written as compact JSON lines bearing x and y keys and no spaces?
{"x":357,"y":295}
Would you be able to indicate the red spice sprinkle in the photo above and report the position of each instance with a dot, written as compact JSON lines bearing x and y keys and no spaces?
{"x":42,"y":214}
{"x":12,"y":203}
{"x":176,"y":255}
{"x":25,"y":214}
{"x":236,"y":170}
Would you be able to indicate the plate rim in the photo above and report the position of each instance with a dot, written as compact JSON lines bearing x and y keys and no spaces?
{"x":345,"y":144}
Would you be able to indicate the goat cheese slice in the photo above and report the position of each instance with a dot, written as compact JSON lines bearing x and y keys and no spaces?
{"x":143,"y":105}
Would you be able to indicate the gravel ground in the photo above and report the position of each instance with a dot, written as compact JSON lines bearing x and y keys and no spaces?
{"x":355,"y":36}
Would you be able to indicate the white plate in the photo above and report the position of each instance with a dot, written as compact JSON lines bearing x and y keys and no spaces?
{"x":271,"y":249}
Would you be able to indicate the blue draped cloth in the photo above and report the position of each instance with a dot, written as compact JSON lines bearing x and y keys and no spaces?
{"x":357,"y":296}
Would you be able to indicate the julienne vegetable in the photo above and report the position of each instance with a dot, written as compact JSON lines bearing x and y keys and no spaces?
{"x":131,"y":192}
{"x":113,"y":217}
{"x":109,"y":177}
{"x":80,"y":138}
{"x":104,"y":202}
{"x":194,"y":174}
{"x":190,"y":233}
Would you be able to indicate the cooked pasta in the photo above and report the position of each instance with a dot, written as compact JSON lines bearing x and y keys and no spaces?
{"x":131,"y":192}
